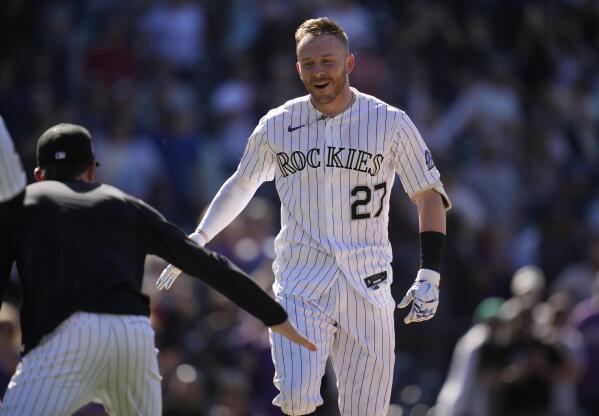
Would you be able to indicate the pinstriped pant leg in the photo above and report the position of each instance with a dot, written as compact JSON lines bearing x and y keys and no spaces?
{"x":298,"y":372}
{"x":131,"y":385}
{"x":363,"y":354}
{"x":60,"y":375}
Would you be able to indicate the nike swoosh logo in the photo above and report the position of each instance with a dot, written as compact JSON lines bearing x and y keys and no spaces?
{"x":290,"y":129}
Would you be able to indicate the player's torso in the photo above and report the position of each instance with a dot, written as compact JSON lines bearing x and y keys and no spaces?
{"x":334,"y":175}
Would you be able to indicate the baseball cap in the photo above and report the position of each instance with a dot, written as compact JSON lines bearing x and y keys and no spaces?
{"x":65,"y":143}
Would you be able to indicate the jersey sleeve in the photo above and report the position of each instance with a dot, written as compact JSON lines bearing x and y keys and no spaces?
{"x":12,"y":176}
{"x":228,"y":203}
{"x":414,"y":162}
{"x":258,"y":162}
{"x":170,"y":243}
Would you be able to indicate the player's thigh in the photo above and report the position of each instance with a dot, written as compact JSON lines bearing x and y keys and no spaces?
{"x":60,"y":375}
{"x":298,"y":372}
{"x":132,"y":382}
{"x":363,"y":357}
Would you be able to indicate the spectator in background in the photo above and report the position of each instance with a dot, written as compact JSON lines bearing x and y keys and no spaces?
{"x":356,"y":19}
{"x":578,"y":278}
{"x":111,"y":56}
{"x":132,"y":161}
{"x":173,"y":32}
{"x":552,"y":327}
{"x":523,"y":369}
{"x":180,"y":144}
{"x":467,"y":390}
{"x":528,"y":285}
{"x":232,"y":101}
{"x":585,"y":318}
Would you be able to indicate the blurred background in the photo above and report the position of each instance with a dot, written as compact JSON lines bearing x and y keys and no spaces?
{"x":506,"y":94}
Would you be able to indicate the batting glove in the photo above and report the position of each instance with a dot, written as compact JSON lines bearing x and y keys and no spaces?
{"x":424,"y":293}
{"x":170,"y":272}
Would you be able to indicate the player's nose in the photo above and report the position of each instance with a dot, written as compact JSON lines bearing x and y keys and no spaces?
{"x":319,"y":76}
{"x":318,"y":70}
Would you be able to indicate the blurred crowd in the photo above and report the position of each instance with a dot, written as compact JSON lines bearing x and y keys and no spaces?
{"x":506,"y":94}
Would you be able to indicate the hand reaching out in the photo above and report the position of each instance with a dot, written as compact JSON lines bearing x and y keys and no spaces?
{"x":288,"y":330}
{"x":170,"y":272}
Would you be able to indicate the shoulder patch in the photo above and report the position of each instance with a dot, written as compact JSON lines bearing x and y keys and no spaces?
{"x":430,"y":163}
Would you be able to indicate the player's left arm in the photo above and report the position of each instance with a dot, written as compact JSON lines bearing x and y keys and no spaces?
{"x":422,"y":181}
{"x":424,"y":292}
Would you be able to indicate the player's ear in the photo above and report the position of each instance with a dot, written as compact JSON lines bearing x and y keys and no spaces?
{"x":299,"y":69}
{"x":90,"y":173}
{"x":39,"y":174}
{"x":350,"y":62}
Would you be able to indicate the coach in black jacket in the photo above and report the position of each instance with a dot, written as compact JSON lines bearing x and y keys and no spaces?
{"x":80,"y":249}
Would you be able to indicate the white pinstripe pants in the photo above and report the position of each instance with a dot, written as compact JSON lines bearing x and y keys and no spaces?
{"x":359,"y":338}
{"x":109,"y":358}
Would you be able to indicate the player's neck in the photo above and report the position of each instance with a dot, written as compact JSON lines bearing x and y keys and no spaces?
{"x":341,"y":103}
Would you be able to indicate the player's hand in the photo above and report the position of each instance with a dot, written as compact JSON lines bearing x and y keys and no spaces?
{"x":168,"y":277}
{"x":424,"y":296}
{"x":170,"y":272}
{"x":288,"y":330}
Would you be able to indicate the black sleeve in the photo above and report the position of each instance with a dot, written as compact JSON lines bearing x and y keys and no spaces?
{"x":9,"y":213}
{"x":6,"y":258}
{"x":169,"y":242}
{"x":11,"y":209}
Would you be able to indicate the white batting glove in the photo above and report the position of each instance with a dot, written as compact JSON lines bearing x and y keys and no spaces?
{"x":170,"y":272}
{"x":424,"y":293}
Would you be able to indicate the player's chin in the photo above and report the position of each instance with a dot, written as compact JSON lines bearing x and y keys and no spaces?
{"x":321,"y":97}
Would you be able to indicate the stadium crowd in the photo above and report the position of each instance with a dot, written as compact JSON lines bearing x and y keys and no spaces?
{"x":506,"y":94}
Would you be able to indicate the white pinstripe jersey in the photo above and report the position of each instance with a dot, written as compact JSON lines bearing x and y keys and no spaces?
{"x":12,"y":176}
{"x":334,"y":176}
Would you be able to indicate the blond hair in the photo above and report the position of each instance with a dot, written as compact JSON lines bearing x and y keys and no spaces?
{"x":318,"y":27}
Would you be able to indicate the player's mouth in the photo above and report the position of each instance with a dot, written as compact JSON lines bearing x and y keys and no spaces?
{"x":321,"y":85}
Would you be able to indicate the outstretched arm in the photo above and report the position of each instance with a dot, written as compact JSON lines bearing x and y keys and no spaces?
{"x":256,"y":166}
{"x":170,"y":243}
{"x":228,"y":203}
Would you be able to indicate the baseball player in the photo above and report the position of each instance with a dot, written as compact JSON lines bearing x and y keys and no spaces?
{"x":80,"y":249}
{"x":333,"y":155}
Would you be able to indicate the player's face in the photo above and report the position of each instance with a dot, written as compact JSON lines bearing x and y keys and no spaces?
{"x":323,"y":66}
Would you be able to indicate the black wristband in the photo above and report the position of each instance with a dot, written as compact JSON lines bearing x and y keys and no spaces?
{"x":431,"y":247}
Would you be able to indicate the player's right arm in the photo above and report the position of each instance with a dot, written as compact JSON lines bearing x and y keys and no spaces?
{"x":257,"y":165}
{"x":169,"y":242}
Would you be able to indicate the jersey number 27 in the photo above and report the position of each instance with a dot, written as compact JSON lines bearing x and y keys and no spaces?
{"x":364,"y":198}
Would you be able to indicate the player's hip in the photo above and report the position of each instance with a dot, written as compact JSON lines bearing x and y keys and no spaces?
{"x":311,"y":282}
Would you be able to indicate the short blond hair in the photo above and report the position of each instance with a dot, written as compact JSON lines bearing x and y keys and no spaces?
{"x":318,"y":27}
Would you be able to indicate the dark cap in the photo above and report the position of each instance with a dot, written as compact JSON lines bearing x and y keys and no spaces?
{"x":64,"y":144}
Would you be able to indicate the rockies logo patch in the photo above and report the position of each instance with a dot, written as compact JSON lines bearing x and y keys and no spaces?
{"x":430,"y":163}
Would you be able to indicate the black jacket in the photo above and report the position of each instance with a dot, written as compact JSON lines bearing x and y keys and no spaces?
{"x":81,"y":247}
